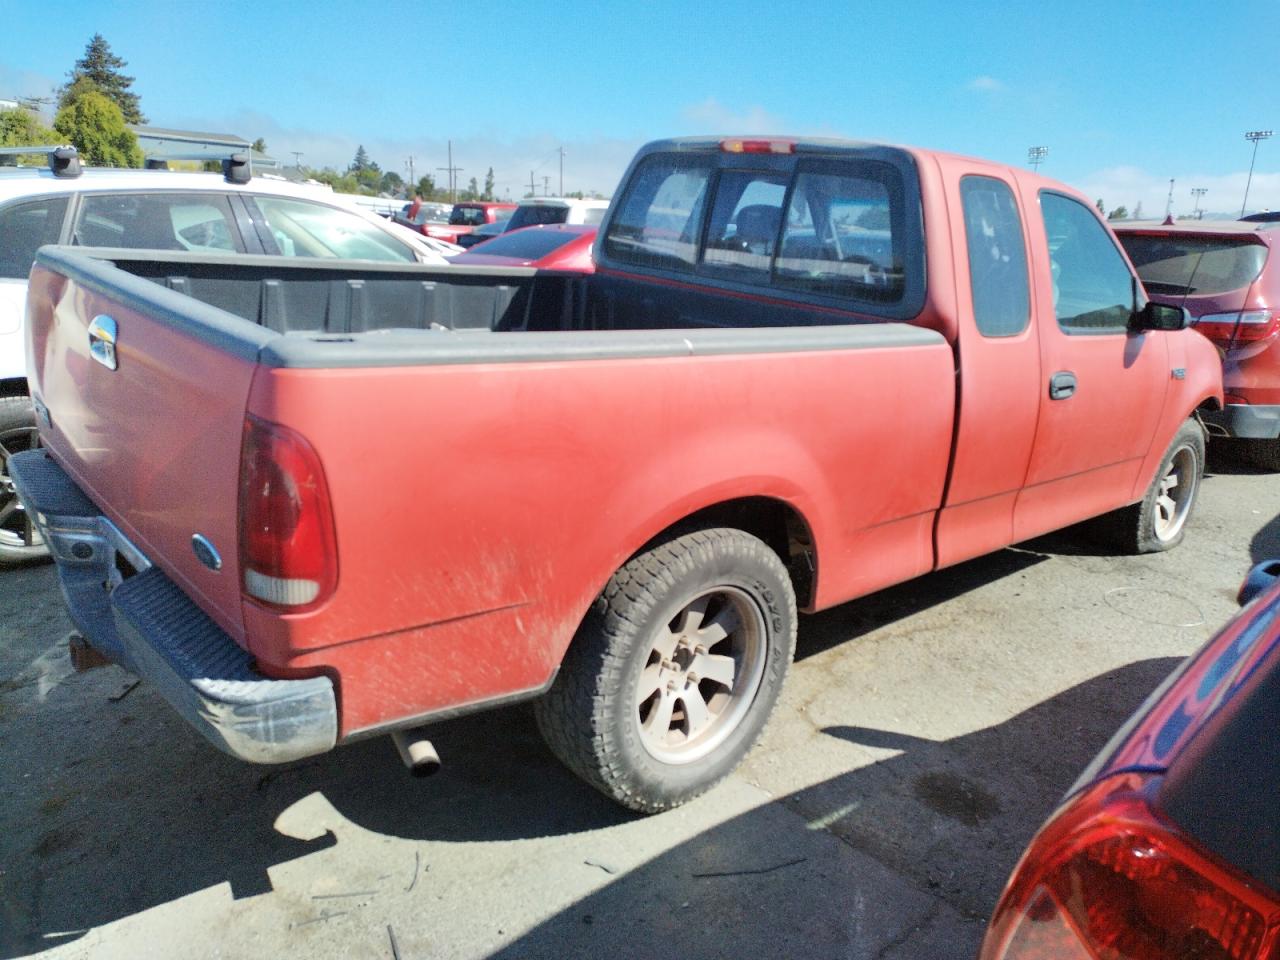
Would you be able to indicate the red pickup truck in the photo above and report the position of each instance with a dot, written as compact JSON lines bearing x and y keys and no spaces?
{"x":314,"y":502}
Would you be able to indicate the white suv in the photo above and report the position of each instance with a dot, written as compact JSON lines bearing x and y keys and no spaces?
{"x":156,"y":209}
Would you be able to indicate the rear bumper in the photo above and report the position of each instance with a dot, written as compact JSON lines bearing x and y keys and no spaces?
{"x":1245,"y":420}
{"x":145,"y":623}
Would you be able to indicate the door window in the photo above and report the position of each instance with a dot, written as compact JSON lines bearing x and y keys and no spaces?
{"x":199,"y":222}
{"x":304,"y":229}
{"x":24,"y":227}
{"x":1093,"y":290}
{"x":997,"y":257}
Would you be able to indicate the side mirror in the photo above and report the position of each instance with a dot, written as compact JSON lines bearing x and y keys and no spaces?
{"x":1258,"y":579}
{"x":1159,"y":316}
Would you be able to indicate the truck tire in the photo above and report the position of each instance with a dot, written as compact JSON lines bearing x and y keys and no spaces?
{"x":1264,"y":454}
{"x":19,"y":539}
{"x":674,"y":670}
{"x":1158,"y":521}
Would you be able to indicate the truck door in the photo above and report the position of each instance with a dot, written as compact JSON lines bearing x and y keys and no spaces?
{"x":999,"y":365}
{"x":1103,"y":387}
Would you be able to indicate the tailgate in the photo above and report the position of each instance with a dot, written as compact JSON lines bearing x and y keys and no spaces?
{"x":151,"y":434}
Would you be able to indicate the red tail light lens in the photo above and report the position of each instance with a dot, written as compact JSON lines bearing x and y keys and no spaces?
{"x":758,"y":146}
{"x":1245,"y":326}
{"x":1107,"y":880}
{"x":287,"y":545}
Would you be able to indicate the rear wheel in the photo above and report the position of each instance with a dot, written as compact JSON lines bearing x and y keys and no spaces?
{"x":675,"y":670}
{"x":19,"y":538}
{"x":1158,"y":521}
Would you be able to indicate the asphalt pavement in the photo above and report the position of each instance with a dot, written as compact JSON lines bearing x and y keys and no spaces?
{"x":923,"y":735}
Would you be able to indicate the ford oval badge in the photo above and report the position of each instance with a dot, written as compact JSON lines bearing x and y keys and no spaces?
{"x":205,"y":552}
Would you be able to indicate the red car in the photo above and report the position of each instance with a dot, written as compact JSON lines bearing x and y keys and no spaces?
{"x":559,"y":246}
{"x":466,"y":216}
{"x":1226,"y":276}
{"x":1168,"y":846}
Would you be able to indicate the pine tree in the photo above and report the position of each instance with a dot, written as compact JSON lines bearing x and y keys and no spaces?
{"x":488,"y":186}
{"x":361,"y":161}
{"x":101,"y":68}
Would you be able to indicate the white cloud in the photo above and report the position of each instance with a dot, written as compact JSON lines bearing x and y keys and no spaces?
{"x":712,"y":117}
{"x":1128,"y":186}
{"x":985,"y":84}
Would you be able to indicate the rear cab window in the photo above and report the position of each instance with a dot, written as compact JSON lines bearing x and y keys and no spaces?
{"x":841,"y":229}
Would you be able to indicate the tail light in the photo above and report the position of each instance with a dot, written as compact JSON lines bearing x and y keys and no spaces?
{"x":1107,"y":880}
{"x":287,"y":545}
{"x":1243,"y":326}
{"x":758,"y":146}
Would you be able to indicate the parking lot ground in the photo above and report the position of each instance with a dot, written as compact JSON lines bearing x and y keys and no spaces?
{"x":923,"y":735}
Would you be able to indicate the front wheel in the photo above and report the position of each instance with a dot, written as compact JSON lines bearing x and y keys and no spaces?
{"x":1159,"y":520}
{"x":19,"y":538}
{"x":675,"y":670}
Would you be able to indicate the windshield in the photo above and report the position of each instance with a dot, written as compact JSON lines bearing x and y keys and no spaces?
{"x":535,"y":213}
{"x":1178,"y":265}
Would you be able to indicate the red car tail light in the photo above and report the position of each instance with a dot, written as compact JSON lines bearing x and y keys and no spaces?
{"x":758,"y":146}
{"x":1107,"y":880}
{"x":287,"y":544}
{"x":1245,"y":326}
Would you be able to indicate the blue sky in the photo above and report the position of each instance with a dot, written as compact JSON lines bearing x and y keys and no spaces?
{"x":1126,"y":95}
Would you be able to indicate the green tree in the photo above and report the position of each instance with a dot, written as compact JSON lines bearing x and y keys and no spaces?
{"x":95,"y":126}
{"x":19,"y":127}
{"x":260,"y":145}
{"x":488,"y":186}
{"x":472,"y":192}
{"x":426,"y":188}
{"x":1102,"y":208}
{"x":1119,"y":213}
{"x":361,"y":161}
{"x":1137,"y":211}
{"x":100,"y":67}
{"x":391,"y":183}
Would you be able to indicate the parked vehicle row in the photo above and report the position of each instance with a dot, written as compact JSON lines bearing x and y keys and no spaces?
{"x":608,"y":493}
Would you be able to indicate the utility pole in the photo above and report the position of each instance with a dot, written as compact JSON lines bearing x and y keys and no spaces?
{"x":1198,"y":192}
{"x":453,"y":171}
{"x":1036,"y":156}
{"x":1168,"y":207}
{"x":562,"y":171}
{"x":297,"y":159}
{"x":533,"y":187}
{"x":546,"y":186}
{"x":413,"y":181}
{"x":1254,"y":136}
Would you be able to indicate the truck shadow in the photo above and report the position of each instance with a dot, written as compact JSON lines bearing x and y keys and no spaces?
{"x":142,"y":813}
{"x":938,"y":820}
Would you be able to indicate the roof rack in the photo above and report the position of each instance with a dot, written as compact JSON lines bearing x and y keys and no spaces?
{"x":236,"y":168}
{"x":64,"y":161}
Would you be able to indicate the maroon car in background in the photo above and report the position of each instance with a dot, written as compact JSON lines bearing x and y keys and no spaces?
{"x":1168,"y":846}
{"x":1227,"y":276}
{"x":559,"y":246}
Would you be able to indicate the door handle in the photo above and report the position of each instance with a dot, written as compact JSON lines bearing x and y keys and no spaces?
{"x":1062,"y":385}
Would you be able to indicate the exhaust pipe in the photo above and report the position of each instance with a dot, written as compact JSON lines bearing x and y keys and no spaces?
{"x":417,"y":752}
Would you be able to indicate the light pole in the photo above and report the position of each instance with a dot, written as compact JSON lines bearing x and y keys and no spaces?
{"x":1036,"y":155}
{"x":1254,"y":136}
{"x":1198,"y":192}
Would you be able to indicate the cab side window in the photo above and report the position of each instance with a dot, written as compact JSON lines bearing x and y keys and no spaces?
{"x":1093,"y":290}
{"x":24,"y":228}
{"x":199,"y":222}
{"x":997,"y":257}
